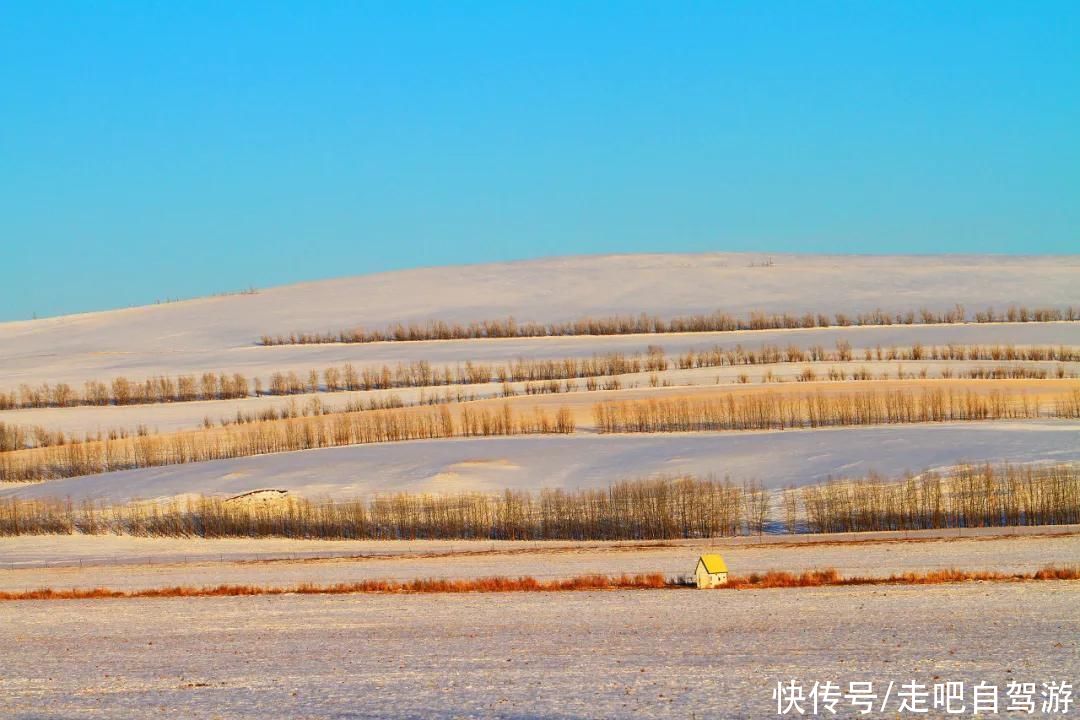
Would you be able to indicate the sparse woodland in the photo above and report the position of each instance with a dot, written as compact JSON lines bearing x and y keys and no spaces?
{"x":272,"y":436}
{"x":652,"y":508}
{"x":540,"y":373}
{"x":967,"y":496}
{"x":778,"y":411}
{"x":657,"y":508}
{"x":69,"y":457}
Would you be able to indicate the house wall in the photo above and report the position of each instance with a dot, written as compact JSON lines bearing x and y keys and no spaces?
{"x":705,"y":580}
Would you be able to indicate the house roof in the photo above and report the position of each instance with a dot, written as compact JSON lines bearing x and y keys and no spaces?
{"x":713,"y":564}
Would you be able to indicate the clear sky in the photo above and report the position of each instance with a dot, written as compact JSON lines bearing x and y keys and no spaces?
{"x":160,"y":149}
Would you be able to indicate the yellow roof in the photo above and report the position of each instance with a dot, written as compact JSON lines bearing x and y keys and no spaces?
{"x":713,"y":564}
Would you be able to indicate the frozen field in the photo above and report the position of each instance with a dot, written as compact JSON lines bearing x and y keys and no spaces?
{"x":649,"y":654}
{"x":133,"y":563}
{"x":775,"y":458}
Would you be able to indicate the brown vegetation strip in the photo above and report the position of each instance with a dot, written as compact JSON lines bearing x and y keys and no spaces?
{"x":651,"y":581}
{"x":418,"y":586}
{"x":830,"y":576}
{"x":653,"y":324}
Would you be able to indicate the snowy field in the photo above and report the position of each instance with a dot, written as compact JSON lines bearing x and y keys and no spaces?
{"x":19,"y":365}
{"x":216,"y":333}
{"x":558,"y":289}
{"x":775,"y":458}
{"x":646,"y":654}
{"x":170,"y":417}
{"x":133,"y":563}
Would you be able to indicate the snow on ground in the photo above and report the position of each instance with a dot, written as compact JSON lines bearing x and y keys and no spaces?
{"x":85,"y":551}
{"x":168,"y":417}
{"x":21,"y":365}
{"x":645,"y":654}
{"x":166,"y":562}
{"x":642,"y":654}
{"x":534,"y":462}
{"x":218,"y":332}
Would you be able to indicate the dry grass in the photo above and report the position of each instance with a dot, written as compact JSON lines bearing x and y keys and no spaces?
{"x":417,"y":586}
{"x":651,"y":581}
{"x":830,"y":576}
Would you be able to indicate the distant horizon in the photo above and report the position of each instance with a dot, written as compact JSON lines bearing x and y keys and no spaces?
{"x":153,"y":151}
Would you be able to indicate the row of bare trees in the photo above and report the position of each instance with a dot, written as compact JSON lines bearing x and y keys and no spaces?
{"x":967,"y":496}
{"x":663,"y":507}
{"x":775,"y":354}
{"x":652,"y":508}
{"x":272,"y":436}
{"x":653,"y":324}
{"x":421,"y":373}
{"x":766,"y":411}
{"x":122,"y":391}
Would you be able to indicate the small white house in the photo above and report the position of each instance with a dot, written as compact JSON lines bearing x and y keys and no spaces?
{"x":711,"y":571}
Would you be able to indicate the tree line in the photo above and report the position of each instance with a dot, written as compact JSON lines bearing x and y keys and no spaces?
{"x":664,"y":507}
{"x":421,"y":373}
{"x":966,"y":496}
{"x":273,"y":436}
{"x":778,"y":411}
{"x":654,"y":324}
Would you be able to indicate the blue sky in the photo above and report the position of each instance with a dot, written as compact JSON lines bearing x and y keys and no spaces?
{"x":154,"y":150}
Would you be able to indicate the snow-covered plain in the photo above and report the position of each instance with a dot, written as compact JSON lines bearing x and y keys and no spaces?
{"x":557,"y":289}
{"x":127,"y":563}
{"x":169,"y":417}
{"x":17,"y":367}
{"x":86,"y":551}
{"x":644,"y":654}
{"x":220,"y":332}
{"x":568,"y":655}
{"x":534,"y":462}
